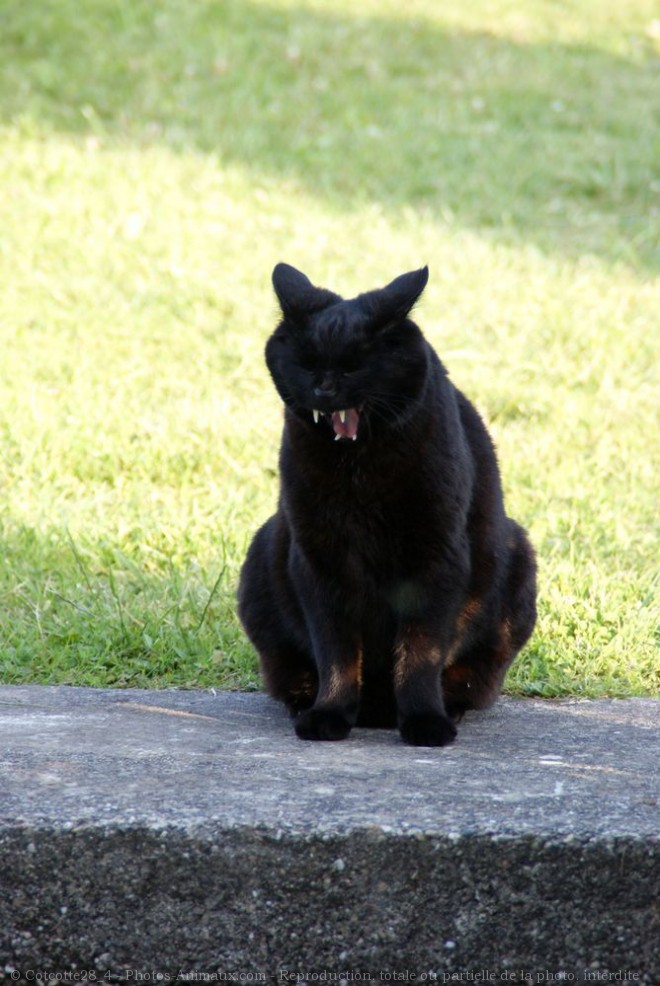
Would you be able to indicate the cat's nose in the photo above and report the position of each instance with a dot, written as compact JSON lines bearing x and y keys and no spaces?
{"x":326,"y":388}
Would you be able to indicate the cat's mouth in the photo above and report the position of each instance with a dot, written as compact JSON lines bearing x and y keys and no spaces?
{"x":344,"y":423}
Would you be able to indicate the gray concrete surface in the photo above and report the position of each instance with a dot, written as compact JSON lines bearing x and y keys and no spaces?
{"x":191,"y":836}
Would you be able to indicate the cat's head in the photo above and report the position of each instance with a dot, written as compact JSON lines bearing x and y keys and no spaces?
{"x":350,"y":367}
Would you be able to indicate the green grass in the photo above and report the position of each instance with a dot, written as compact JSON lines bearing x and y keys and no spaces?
{"x":158,"y":157}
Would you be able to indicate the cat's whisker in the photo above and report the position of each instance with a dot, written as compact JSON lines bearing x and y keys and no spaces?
{"x":389,"y":412}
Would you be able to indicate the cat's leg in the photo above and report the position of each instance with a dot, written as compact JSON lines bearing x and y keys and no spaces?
{"x":272,"y":620}
{"x":473,"y":679}
{"x":520,"y":599}
{"x":492,"y":631}
{"x":337,"y":657}
{"x":419,"y":658}
{"x":335,"y":709}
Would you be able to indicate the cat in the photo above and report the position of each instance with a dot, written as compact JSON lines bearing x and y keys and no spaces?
{"x":390,"y":588}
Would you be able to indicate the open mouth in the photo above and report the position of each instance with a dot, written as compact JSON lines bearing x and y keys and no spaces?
{"x":344,"y":423}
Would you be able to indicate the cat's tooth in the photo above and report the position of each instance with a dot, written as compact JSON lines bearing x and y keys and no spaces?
{"x":337,"y":437}
{"x":316,"y":416}
{"x":354,"y":438}
{"x":342,"y":417}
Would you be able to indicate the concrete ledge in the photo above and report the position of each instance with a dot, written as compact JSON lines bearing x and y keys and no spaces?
{"x":191,"y":835}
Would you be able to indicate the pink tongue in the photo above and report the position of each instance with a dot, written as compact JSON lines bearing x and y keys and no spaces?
{"x":349,"y":426}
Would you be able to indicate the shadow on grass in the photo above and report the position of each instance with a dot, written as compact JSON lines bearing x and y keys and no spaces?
{"x":90,"y":614}
{"x":547,"y":144}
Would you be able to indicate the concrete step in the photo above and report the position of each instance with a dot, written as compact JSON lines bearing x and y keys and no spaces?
{"x":192,"y":836}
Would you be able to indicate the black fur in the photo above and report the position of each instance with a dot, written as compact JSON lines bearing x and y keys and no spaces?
{"x":390,"y":588}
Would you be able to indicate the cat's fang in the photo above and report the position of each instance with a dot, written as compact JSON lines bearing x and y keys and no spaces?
{"x":316,"y":416}
{"x":342,"y":417}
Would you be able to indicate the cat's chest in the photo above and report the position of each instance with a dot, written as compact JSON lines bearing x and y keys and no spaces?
{"x":362,"y":521}
{"x":353,"y":494}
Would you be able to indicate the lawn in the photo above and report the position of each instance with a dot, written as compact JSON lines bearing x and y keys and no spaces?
{"x":158,"y":157}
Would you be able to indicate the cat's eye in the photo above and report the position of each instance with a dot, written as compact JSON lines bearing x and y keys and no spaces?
{"x":351,"y":368}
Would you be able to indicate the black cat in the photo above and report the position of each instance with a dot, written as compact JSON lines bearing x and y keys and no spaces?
{"x":390,"y":588}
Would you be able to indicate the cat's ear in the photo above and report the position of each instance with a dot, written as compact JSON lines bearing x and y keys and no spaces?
{"x":296,"y":293}
{"x":394,"y":302}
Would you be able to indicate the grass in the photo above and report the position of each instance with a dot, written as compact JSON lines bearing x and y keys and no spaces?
{"x":159,"y":157}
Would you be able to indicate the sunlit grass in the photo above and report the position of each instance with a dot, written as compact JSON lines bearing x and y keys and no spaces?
{"x":159,"y":158}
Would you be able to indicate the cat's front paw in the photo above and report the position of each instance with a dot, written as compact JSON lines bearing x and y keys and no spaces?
{"x":320,"y":724}
{"x":427,"y":730}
